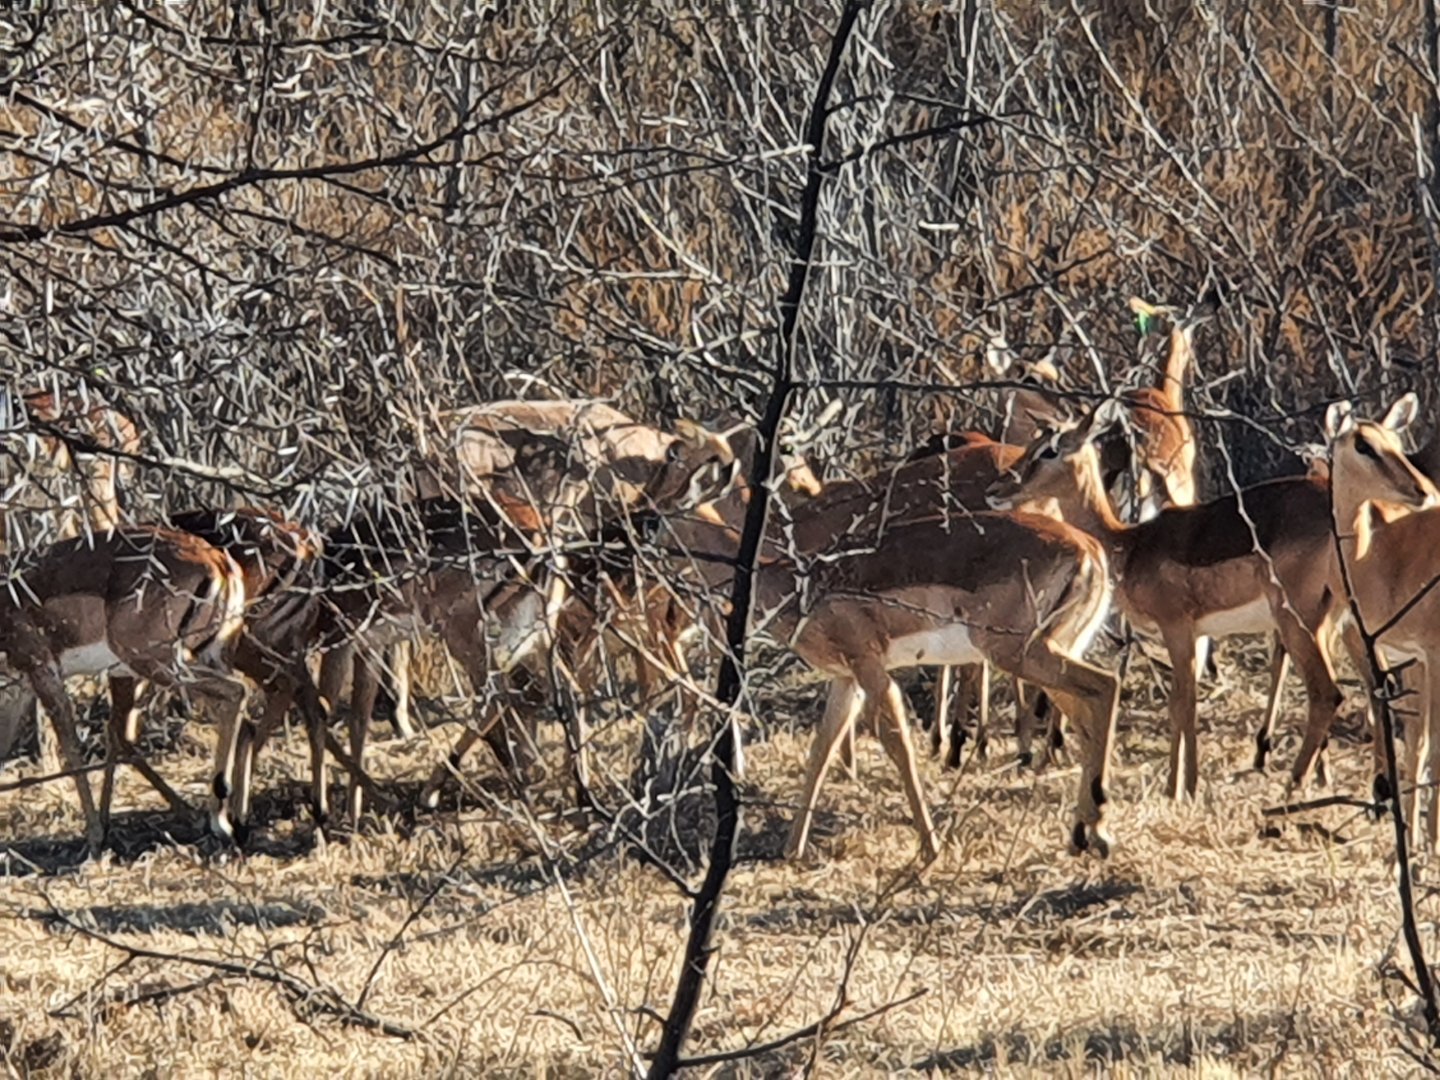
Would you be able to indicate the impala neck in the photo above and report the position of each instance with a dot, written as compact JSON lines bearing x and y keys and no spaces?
{"x":1177,"y":365}
{"x":1090,"y":508}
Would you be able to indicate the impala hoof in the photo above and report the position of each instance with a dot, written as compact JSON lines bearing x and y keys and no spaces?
{"x":1381,"y":796}
{"x":1089,"y":838}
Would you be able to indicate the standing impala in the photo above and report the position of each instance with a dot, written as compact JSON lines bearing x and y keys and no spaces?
{"x":922,"y":588}
{"x":1390,"y":563}
{"x":1260,"y":561}
{"x":280,"y":562}
{"x":148,"y":602}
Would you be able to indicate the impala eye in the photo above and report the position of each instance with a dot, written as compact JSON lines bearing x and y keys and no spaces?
{"x":1050,"y":453}
{"x":1362,"y":445}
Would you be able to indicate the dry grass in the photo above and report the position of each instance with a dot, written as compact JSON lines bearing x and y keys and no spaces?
{"x":1205,"y":946}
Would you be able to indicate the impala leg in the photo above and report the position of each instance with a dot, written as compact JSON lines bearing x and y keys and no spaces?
{"x":1431,"y":675}
{"x":1279,"y":668}
{"x":1025,"y":714}
{"x":279,"y":696}
{"x":842,"y":710}
{"x":317,"y":726}
{"x":335,"y":666}
{"x":430,"y":797}
{"x":225,"y":697}
{"x":401,"y":655}
{"x":1354,"y":645}
{"x":894,"y":731}
{"x":847,"y":755}
{"x":1321,"y":693}
{"x":50,"y":688}
{"x":121,"y":729}
{"x":469,"y":651}
{"x":982,"y":713}
{"x":938,"y":721}
{"x":365,"y":685}
{"x":1413,"y":714}
{"x":974,"y":682}
{"x":1184,"y":765}
{"x":1091,"y":697}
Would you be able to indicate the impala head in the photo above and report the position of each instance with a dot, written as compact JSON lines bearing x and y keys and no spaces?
{"x":1367,"y":459}
{"x":1059,"y":465}
{"x":1004,"y":364}
{"x":702,"y":466}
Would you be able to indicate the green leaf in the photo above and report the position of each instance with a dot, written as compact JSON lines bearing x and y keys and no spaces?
{"x":1143,"y":322}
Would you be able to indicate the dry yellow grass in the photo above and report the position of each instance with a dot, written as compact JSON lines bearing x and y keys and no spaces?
{"x":1206,"y":946}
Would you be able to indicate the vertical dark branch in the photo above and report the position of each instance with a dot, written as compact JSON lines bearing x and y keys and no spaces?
{"x":1430,"y":186}
{"x":698,"y":948}
{"x":1332,"y":45}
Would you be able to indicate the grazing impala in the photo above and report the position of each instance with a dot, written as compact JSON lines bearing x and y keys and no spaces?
{"x":468,"y":574}
{"x":1251,"y":563}
{"x":148,"y":602}
{"x":1391,"y":564}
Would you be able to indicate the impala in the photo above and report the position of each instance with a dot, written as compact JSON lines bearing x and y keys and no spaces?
{"x":79,"y":433}
{"x":280,"y":562}
{"x":152,"y":603}
{"x":466,"y":573}
{"x":1249,"y":563}
{"x":1390,"y":563}
{"x":907,"y":581}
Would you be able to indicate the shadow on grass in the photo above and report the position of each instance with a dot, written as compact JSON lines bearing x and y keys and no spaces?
{"x":1175,"y":1044}
{"x":215,"y":918}
{"x":1079,"y":900}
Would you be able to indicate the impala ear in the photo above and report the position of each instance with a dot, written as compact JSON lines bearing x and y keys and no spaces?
{"x":1402,"y":414}
{"x":1107,"y":414}
{"x":1045,"y":370}
{"x":1339,"y":420}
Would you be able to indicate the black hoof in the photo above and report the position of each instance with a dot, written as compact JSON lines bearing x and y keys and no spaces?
{"x":1262,"y":751}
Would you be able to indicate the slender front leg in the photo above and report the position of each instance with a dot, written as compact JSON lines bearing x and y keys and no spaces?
{"x":1184,"y":775}
{"x":894,"y":732}
{"x":118,"y":728}
{"x":842,"y":708}
{"x":50,"y":688}
{"x":401,"y":655}
{"x":365,"y":685}
{"x":1279,"y":668}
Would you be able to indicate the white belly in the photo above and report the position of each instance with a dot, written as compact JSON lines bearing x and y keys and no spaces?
{"x":1251,"y":618}
{"x":94,"y":659}
{"x":946,"y":645}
